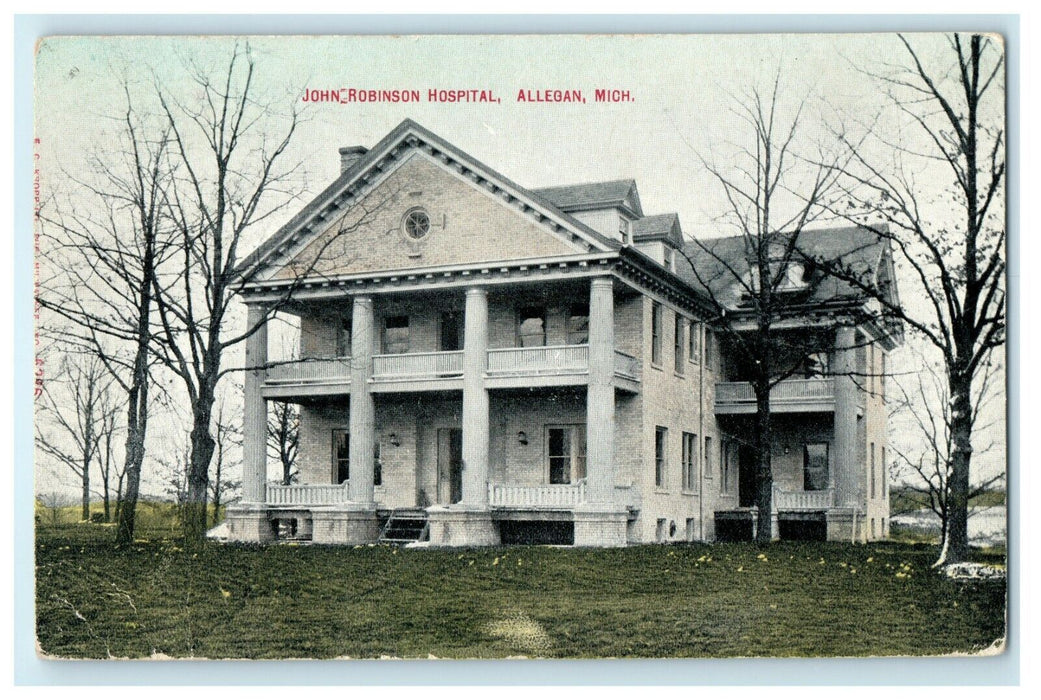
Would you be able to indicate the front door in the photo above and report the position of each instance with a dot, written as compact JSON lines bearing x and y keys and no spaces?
{"x":747,"y":487}
{"x":449,"y":465}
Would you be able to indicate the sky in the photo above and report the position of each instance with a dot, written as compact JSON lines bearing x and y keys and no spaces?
{"x":681,"y":114}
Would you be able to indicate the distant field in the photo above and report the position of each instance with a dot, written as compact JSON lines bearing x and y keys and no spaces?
{"x":231,"y":601}
{"x":902,"y":500}
{"x":155,"y":517}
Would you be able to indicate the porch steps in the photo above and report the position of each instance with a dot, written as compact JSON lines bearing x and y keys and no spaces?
{"x":404,"y":527}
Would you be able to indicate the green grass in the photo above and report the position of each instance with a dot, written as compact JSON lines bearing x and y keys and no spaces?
{"x":231,"y":601}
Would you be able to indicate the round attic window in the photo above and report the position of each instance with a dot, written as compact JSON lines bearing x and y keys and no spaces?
{"x":416,"y":224}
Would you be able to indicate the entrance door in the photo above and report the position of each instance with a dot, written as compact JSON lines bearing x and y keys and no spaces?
{"x":747,"y":487}
{"x":449,"y":465}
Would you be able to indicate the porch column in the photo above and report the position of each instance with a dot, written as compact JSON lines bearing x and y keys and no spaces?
{"x":600,"y":475}
{"x":254,"y":417}
{"x":845,"y":477}
{"x":475,"y":399}
{"x":363,"y":411}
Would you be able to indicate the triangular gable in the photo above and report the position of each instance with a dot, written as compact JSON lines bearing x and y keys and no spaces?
{"x":400,"y":147}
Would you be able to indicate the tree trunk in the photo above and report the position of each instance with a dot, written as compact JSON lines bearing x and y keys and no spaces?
{"x":956,"y":537}
{"x":196,"y":512}
{"x":86,"y":490}
{"x":137,"y":416}
{"x":763,"y":471}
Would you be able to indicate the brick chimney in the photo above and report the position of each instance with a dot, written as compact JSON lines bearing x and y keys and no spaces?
{"x":349,"y":155}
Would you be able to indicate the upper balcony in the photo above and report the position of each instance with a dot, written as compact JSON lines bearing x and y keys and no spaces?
{"x":561,"y":365}
{"x":788,"y":396}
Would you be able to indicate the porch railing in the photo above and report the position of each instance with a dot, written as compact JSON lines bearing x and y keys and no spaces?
{"x":550,"y":359}
{"x":802,"y":500}
{"x":415,"y":365}
{"x":789,"y":390}
{"x":310,"y":371}
{"x":306,"y":494}
{"x":626,"y":365}
{"x":538,"y":496}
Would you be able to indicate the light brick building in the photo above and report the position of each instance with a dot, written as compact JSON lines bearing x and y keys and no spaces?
{"x":483,"y":363}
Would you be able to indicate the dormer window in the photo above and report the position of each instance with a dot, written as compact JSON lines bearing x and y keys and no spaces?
{"x":669,"y":260}
{"x":624,"y":229}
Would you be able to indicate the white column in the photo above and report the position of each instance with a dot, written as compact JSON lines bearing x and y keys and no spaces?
{"x":844,"y":479}
{"x":475,"y":399}
{"x":600,"y":427}
{"x":254,"y":417}
{"x":363,"y":409}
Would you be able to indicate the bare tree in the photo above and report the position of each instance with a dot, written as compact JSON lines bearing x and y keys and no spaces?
{"x":283,"y":437}
{"x":105,"y":245}
{"x":949,"y":237}
{"x":79,"y":414}
{"x":227,"y":433}
{"x":756,"y":280}
{"x":923,"y":465}
{"x":229,"y":181}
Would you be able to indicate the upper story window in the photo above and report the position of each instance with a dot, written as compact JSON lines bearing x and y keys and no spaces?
{"x":625,"y":229}
{"x":578,"y":324}
{"x":395,"y":335}
{"x":531,"y":326}
{"x":416,"y":224}
{"x":656,"y":333}
{"x":668,"y":259}
{"x":451,"y":337}
{"x":678,"y":360}
{"x":343,"y":338}
{"x":694,"y":343}
{"x":707,"y":350}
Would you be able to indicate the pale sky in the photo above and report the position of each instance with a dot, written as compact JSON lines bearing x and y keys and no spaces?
{"x":683,"y":87}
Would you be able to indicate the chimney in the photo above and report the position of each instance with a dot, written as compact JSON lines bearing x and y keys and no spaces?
{"x":349,"y":155}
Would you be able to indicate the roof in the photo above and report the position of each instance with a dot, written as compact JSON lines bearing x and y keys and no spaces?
{"x":658,"y":227}
{"x":406,"y":129}
{"x":593,"y":195}
{"x":721,"y":261}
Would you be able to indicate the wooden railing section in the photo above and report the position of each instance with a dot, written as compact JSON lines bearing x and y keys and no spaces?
{"x":310,"y":371}
{"x":418,"y":365}
{"x":306,"y":494}
{"x":549,"y":496}
{"x":547,"y":359}
{"x":787,"y":391}
{"x":802,"y":500}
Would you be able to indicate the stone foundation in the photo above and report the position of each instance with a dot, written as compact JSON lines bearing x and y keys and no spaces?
{"x":344,"y":526}
{"x":459,"y":526}
{"x":601,"y":527}
{"x":249,"y":524}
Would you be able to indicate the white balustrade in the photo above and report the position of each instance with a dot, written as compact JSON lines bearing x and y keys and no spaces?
{"x":626,"y":365}
{"x":787,"y":391}
{"x":802,"y":500}
{"x":550,"y":496}
{"x":417,"y":365}
{"x":549,"y":359}
{"x":310,"y":371}
{"x":306,"y":494}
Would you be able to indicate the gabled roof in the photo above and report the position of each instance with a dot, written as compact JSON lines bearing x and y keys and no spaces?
{"x":405,"y":136}
{"x":594,"y":195}
{"x":720,"y":261}
{"x":658,"y":227}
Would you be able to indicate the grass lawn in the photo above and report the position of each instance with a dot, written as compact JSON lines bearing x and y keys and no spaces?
{"x":231,"y":601}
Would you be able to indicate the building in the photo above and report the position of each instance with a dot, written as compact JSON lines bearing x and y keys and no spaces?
{"x":484,"y":363}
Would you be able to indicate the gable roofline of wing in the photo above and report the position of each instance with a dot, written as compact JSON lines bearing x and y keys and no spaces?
{"x":409,"y":134}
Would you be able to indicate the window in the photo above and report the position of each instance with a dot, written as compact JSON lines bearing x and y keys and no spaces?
{"x":872,"y":451}
{"x":815,"y":466}
{"x":707,"y":457}
{"x":694,"y":343}
{"x":709,"y":340}
{"x":678,"y":343}
{"x":343,"y":338}
{"x":668,"y":258}
{"x":395,"y":335}
{"x":416,"y":224}
{"x":728,"y":461}
{"x":451,"y":331}
{"x":659,"y":530}
{"x":817,"y":365}
{"x":885,"y":473}
{"x":566,"y":453}
{"x":578,"y":324}
{"x":660,"y":460}
{"x":692,"y":529}
{"x":655,"y":333}
{"x":341,"y":456}
{"x":623,"y":229}
{"x":531,"y":326}
{"x":690,"y":462}
{"x":377,"y":465}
